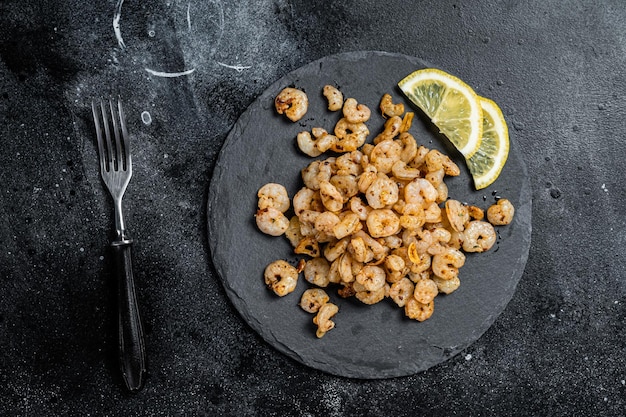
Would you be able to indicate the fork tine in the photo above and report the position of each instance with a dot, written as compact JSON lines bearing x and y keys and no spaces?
{"x":119,"y":160}
{"x":127,"y":158}
{"x":101,"y":148}
{"x":107,"y":137}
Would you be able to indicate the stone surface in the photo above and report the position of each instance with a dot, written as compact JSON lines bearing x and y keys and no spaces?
{"x":555,"y":68}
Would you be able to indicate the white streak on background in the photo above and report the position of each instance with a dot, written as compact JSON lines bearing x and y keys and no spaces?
{"x":189,"y":16}
{"x":238,"y":68}
{"x":116,"y":24}
{"x":169,"y":74}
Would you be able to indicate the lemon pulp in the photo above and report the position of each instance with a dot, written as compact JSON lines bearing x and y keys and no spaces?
{"x":487,"y":163}
{"x":452,"y":105}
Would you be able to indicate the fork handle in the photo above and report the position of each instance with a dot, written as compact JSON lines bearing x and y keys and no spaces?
{"x":131,"y":343}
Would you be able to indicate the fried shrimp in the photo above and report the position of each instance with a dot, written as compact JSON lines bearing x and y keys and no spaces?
{"x":316,"y":272}
{"x":446,"y":265}
{"x":354,"y":112}
{"x":501,"y":213}
{"x":323,"y":319}
{"x":281,"y":277}
{"x":382,"y":223}
{"x":479,"y":236}
{"x":292,"y":102}
{"x":350,"y":136}
{"x":375,"y":220}
{"x":382,"y":192}
{"x":388,"y":109}
{"x":271,"y":221}
{"x":313,"y":299}
{"x":401,"y":291}
{"x":371,"y":277}
{"x":334,"y":97}
{"x":273,"y":195}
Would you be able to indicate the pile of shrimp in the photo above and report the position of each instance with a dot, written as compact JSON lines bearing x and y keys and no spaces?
{"x":373,"y":219}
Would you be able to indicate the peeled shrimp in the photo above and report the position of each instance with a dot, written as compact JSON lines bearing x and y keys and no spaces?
{"x":334,"y":97}
{"x":501,"y":213}
{"x":371,"y":277}
{"x":385,"y":154}
{"x":271,"y":221}
{"x":273,"y":195}
{"x":331,"y":197}
{"x":323,"y":319}
{"x":382,"y":192}
{"x":425,"y":291}
{"x":446,"y":265}
{"x":479,"y":236}
{"x":351,"y":136}
{"x":415,"y":310}
{"x":316,"y":272}
{"x":382,"y":223}
{"x":292,"y":102}
{"x":355,"y":112}
{"x":281,"y":277}
{"x":420,"y":191}
{"x":313,"y":299}
{"x":389,"y":109}
{"x":401,"y":291}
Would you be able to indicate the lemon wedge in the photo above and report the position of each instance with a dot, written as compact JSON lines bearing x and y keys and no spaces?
{"x":452,"y":106}
{"x":487,"y":163}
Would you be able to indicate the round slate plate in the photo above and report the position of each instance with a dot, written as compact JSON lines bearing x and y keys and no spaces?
{"x":368,"y":341}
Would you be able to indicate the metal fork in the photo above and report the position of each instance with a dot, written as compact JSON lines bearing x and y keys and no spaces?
{"x":116,"y":169}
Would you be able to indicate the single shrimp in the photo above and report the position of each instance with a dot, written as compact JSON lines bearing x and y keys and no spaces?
{"x":313,"y":299}
{"x":334,"y":97}
{"x":371,"y":277}
{"x":401,"y":291}
{"x":382,"y":192}
{"x":391,"y":129}
{"x":359,"y":208}
{"x":372,"y":297}
{"x":316,"y":172}
{"x":447,"y":286}
{"x":501,"y":213}
{"x":415,"y":310}
{"x":331,"y":197}
{"x":395,"y":267}
{"x":446,"y":265}
{"x":479,"y":236}
{"x":457,"y":215}
{"x":349,"y":163}
{"x":388,"y":109}
{"x":425,"y":291}
{"x":292,"y":102}
{"x":306,"y":199}
{"x":281,"y":277}
{"x":271,"y":221}
{"x":355,"y":112}
{"x":316,"y":271}
{"x":351,"y":136}
{"x":323,"y":140}
{"x":323,"y":319}
{"x":273,"y":195}
{"x":307,"y":145}
{"x":402,"y":171}
{"x":367,"y":177}
{"x":409,"y":147}
{"x":420,"y":191}
{"x":335,"y":249}
{"x":385,"y":154}
{"x":347,"y":185}
{"x":348,"y":224}
{"x":325,"y":222}
{"x":293,"y":233}
{"x":382,"y":223}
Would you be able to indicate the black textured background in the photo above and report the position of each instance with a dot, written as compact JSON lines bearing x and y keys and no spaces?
{"x":555,"y":67}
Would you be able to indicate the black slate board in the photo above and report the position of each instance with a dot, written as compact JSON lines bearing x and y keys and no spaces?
{"x":368,"y":341}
